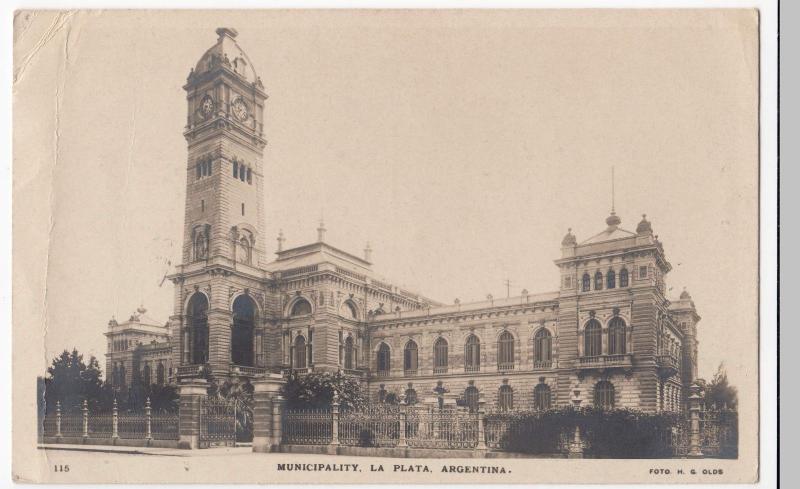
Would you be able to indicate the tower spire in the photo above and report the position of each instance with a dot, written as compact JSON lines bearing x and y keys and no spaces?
{"x":612,"y":189}
{"x":613,"y":220}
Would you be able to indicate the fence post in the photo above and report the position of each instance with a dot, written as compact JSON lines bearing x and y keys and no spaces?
{"x":335,"y":419}
{"x":694,"y":422}
{"x":576,"y":447}
{"x":266,"y":397}
{"x":190,"y":391}
{"x":481,"y":420}
{"x":148,"y":415}
{"x":401,"y":442}
{"x":85,"y":419}
{"x":58,"y":419}
{"x":115,"y":421}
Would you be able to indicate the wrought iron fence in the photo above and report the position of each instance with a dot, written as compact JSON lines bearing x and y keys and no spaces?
{"x":307,"y":427}
{"x":72,"y":424}
{"x":164,"y":426}
{"x":101,"y":425}
{"x":446,"y":429}
{"x":132,"y":426}
{"x":375,"y":426}
{"x":719,"y":433}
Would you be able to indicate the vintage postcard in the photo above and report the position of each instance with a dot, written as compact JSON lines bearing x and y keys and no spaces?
{"x":386,"y":246}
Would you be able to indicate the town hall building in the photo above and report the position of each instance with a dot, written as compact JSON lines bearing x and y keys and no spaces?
{"x":606,"y":336}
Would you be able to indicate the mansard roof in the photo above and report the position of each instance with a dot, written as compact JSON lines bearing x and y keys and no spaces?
{"x":226,"y":52}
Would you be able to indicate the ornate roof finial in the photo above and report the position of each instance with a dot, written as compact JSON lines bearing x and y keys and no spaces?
{"x":281,"y":239}
{"x":644,"y":226}
{"x":226,"y":31}
{"x":321,"y":231}
{"x":569,"y":239}
{"x":368,"y":252}
{"x":613,"y":220}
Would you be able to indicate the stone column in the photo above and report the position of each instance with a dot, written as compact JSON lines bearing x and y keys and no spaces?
{"x":191,"y":391}
{"x":335,"y":420}
{"x":58,"y":419}
{"x":115,"y":421}
{"x":85,"y":419}
{"x":266,"y":392}
{"x":694,"y":422}
{"x":148,"y":418}
{"x":401,"y":442}
{"x":481,"y":423}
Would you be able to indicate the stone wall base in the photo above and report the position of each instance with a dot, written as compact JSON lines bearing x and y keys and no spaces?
{"x":79,"y":440}
{"x":406,"y":452}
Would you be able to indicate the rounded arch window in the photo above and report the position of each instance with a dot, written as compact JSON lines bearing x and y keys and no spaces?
{"x":244,"y":321}
{"x":598,"y":280}
{"x":301,"y":308}
{"x":611,"y":279}
{"x":349,"y":353}
{"x":410,"y":358}
{"x":542,"y":348}
{"x":384,"y":359}
{"x":593,"y":339}
{"x":541,"y":397}
{"x":198,"y":328}
{"x":471,"y":397}
{"x":604,"y":395}
{"x":300,"y":352}
{"x":586,"y":283}
{"x":472,"y":354}
{"x":505,"y":351}
{"x":505,"y":398}
{"x":623,"y":277}
{"x":440,"y":356}
{"x":348,"y":310}
{"x":616,"y":336}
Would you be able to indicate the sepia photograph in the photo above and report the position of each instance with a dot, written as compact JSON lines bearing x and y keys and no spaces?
{"x":483,"y":246}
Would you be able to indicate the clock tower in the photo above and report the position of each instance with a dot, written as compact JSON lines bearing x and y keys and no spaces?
{"x":223,"y":247}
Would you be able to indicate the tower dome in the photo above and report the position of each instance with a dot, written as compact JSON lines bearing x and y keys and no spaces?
{"x":227,"y":53}
{"x":613,"y":220}
{"x":644,"y":226}
{"x":685,"y":294}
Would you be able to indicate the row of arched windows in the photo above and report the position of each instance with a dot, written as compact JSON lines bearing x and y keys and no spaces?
{"x":610,"y":280}
{"x":242,"y":172}
{"x":203,"y":168}
{"x":593,"y":338}
{"x":146,"y":375}
{"x":542,"y":354}
{"x":119,"y":345}
{"x":542,"y":397}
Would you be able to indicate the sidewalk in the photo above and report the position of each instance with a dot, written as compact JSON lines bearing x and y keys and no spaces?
{"x":168,"y":452}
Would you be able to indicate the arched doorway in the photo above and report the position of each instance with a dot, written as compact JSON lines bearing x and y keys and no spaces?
{"x":198,"y":328}
{"x":244,"y":320}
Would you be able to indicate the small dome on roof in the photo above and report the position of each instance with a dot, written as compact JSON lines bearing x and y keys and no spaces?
{"x":613,"y":220}
{"x":226,"y":52}
{"x":644,"y":226}
{"x":569,"y":239}
{"x":685,"y":294}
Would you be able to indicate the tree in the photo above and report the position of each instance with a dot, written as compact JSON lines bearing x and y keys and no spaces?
{"x":70,"y":381}
{"x":719,"y":393}
{"x":315,"y":390}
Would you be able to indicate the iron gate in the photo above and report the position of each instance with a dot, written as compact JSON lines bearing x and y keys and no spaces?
{"x":217,"y":423}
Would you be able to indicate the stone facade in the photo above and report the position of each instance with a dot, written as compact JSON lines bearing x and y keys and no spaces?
{"x":608,"y":335}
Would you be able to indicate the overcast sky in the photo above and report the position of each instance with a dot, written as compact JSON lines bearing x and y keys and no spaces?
{"x":461,"y":146}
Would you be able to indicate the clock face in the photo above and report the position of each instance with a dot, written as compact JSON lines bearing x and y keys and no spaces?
{"x":239,"y":109}
{"x":207,"y":106}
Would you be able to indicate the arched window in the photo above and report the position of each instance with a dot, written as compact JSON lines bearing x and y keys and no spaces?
{"x":505,"y":351}
{"x":249,"y":175}
{"x":348,"y":310}
{"x":604,"y":395}
{"x":244,"y":321}
{"x":146,"y":375}
{"x":541,"y":397}
{"x":301,"y":308}
{"x":349,"y":353}
{"x":623,"y":277}
{"x":593,"y":339}
{"x":472,"y":354}
{"x":542,"y":349}
{"x":616,"y":336}
{"x":300,"y":352}
{"x":411,"y":396}
{"x":410,"y":358}
{"x":440,"y":356}
{"x":198,"y":327}
{"x":505,"y":398}
{"x":586,"y":283}
{"x":471,"y":397}
{"x":611,"y":279}
{"x":598,"y":280}
{"x":235,"y":169}
{"x":384,"y":360}
{"x":160,"y":377}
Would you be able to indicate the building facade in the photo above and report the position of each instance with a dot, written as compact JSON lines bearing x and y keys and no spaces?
{"x":607,"y":336}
